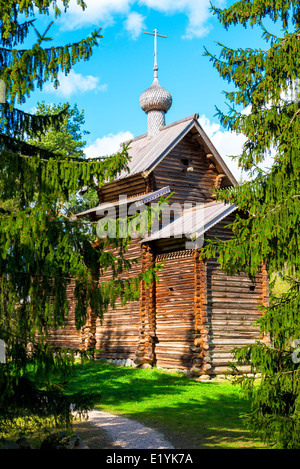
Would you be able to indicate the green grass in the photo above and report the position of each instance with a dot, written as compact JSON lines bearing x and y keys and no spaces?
{"x":190,"y":413}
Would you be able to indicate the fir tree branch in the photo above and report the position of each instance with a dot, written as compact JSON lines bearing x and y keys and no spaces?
{"x":42,"y":38}
{"x":25,"y":67}
{"x":19,"y":124}
{"x":25,"y":150}
{"x":17,"y":34}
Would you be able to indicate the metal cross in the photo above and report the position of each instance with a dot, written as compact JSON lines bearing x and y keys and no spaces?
{"x":155,"y":68}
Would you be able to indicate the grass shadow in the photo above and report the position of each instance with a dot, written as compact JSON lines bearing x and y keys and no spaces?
{"x":191,"y":414}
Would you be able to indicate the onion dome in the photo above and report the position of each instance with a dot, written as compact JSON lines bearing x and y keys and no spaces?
{"x":155,"y":98}
{"x":155,"y":101}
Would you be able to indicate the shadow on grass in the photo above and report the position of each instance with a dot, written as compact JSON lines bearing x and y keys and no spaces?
{"x":109,"y":382}
{"x":191,"y":414}
{"x":205,"y":425}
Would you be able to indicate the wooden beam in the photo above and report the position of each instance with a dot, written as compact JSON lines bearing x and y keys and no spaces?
{"x":218,"y":180}
{"x":88,"y":331}
{"x":265,"y":294}
{"x":145,"y":353}
{"x":200,"y":349}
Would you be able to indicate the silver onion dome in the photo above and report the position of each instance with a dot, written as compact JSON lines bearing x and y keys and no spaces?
{"x":155,"y":98}
{"x":155,"y":101}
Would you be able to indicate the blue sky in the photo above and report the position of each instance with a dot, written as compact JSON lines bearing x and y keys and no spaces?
{"x":108,"y":86}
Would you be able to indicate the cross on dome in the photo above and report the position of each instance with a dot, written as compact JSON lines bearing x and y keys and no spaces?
{"x":155,"y":101}
{"x":155,"y":34}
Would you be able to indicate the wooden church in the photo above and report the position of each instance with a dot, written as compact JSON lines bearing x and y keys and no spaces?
{"x":194,"y":316}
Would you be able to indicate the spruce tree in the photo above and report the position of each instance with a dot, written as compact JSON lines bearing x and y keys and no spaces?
{"x":267,"y":228}
{"x":69,"y":138}
{"x":42,"y":249}
{"x":65,"y":141}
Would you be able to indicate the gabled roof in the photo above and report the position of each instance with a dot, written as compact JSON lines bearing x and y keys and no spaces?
{"x":193,"y":223}
{"x":147,"y":152}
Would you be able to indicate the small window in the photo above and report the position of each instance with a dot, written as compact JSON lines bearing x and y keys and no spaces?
{"x":252,"y":287}
{"x":185,"y":161}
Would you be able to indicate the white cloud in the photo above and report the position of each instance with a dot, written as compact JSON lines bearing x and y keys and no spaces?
{"x":104,"y":12}
{"x":134,"y":24}
{"x":96,"y":11}
{"x":75,"y":83}
{"x":107,"y":145}
{"x":197,"y":12}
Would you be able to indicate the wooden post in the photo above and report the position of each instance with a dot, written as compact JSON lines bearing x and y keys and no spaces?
{"x":145,"y":352}
{"x":200,"y":363}
{"x":88,"y":331}
{"x":100,"y":195}
{"x":149,"y":183}
{"x":265,"y":285}
{"x":265,"y":295}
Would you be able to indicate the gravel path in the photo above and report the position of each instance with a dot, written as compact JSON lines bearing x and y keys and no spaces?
{"x":127,"y":433}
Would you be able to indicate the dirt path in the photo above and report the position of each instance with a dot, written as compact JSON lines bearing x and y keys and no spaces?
{"x":120,"y":432}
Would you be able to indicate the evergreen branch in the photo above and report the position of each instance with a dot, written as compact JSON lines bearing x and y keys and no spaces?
{"x":25,"y":150}
{"x":24,"y":67}
{"x":254,"y":71}
{"x":42,"y":38}
{"x":294,"y":116}
{"x":271,"y":232}
{"x":297,"y":370}
{"x":243,"y":12}
{"x":10,"y":11}
{"x":18,"y":33}
{"x":281,"y":204}
{"x":33,"y":182}
{"x":267,"y":35}
{"x":18,"y":147}
{"x":19,"y":124}
{"x":142,"y":276}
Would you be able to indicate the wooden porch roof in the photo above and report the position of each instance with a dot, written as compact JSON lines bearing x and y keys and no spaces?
{"x":138,"y":200}
{"x":194,"y":222}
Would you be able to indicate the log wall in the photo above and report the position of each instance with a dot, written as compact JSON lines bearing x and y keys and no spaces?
{"x":131,"y":186}
{"x":175,"y":310}
{"x":188,"y":186}
{"x":68,"y":336}
{"x":117,"y":334}
{"x":233,"y":305}
{"x":201,"y":312}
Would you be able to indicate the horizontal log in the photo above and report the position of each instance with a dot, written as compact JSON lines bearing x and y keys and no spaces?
{"x":226,"y":370}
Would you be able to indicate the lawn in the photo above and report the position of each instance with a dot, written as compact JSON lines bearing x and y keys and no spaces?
{"x":190,"y":413}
